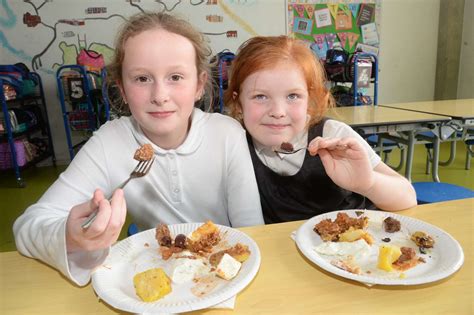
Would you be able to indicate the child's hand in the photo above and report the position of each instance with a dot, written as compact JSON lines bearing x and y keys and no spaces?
{"x":346,"y":162}
{"x":105,"y":229}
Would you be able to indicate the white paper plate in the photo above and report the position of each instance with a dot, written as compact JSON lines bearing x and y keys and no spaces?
{"x":113,"y":281}
{"x":441,"y":261}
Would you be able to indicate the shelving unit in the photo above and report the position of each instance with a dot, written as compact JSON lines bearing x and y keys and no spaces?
{"x":374,"y":75}
{"x":224,"y":62}
{"x":84,"y":104}
{"x":350,"y":72}
{"x":28,"y":142}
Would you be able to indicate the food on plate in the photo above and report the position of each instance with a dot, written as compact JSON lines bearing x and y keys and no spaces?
{"x":399,"y":258}
{"x":204,"y":238}
{"x":407,"y":259}
{"x":194,"y":259}
{"x":144,"y":153}
{"x":187,"y":268}
{"x":152,"y":284}
{"x":422,"y":239}
{"x":163,"y":235}
{"x":356,"y":249}
{"x":167,"y":252}
{"x":168,"y":247}
{"x":347,"y":265}
{"x":352,"y":235}
{"x":388,"y":254}
{"x":198,"y":262}
{"x":391,"y":225}
{"x":181,"y":241}
{"x":350,"y":242}
{"x":228,"y":267}
{"x":330,"y":230}
{"x":240,"y":252}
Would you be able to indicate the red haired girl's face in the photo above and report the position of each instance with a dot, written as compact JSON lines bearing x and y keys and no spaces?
{"x":275,"y":103}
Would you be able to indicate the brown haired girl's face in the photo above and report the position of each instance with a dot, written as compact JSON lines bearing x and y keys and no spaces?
{"x":275,"y":103}
{"x":160,"y":84}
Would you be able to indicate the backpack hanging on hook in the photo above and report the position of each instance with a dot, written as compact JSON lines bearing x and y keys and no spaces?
{"x":91,"y":60}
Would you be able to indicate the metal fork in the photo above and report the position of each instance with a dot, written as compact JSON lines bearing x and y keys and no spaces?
{"x":142,"y":168}
{"x":339,"y":147}
{"x":288,"y":152}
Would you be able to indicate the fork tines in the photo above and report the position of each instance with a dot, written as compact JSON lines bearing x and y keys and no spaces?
{"x":144,"y":166}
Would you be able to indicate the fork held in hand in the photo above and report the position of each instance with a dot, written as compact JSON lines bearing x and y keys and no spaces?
{"x":142,"y":168}
{"x":288,"y":152}
{"x":281,"y":151}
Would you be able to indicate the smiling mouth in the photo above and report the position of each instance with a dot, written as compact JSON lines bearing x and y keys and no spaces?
{"x":275,"y":126}
{"x":161,"y":114}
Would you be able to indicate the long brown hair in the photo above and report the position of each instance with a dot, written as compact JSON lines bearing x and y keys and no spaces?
{"x":145,"y":21}
{"x":264,"y":52}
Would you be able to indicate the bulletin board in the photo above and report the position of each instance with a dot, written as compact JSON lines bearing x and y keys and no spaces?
{"x":326,"y":24}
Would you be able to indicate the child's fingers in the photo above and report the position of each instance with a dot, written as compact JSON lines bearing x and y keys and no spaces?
{"x":325,"y":143}
{"x":101,"y":221}
{"x":313,"y":146}
{"x":95,"y":201}
{"x":119,"y":211}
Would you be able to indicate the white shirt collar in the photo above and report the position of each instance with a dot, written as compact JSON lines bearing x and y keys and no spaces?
{"x":283,"y":164}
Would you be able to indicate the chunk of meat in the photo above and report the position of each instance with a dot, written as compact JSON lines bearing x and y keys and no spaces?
{"x":144,"y":153}
{"x":391,"y":225}
{"x":407,"y":259}
{"x":163,"y":235}
{"x":328,"y":230}
{"x":286,"y":146}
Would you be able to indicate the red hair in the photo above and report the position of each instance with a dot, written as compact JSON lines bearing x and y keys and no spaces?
{"x":264,"y":52}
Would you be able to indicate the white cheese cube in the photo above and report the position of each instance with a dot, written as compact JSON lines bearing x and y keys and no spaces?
{"x":228,"y":267}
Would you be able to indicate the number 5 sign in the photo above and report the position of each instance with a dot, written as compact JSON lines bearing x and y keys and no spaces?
{"x":76,"y":90}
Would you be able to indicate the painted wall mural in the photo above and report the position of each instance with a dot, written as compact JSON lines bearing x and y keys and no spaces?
{"x":49,"y":33}
{"x":46,"y":34}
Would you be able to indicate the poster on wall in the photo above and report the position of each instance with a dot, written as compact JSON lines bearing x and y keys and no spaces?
{"x":353,"y":25}
{"x":45,"y":35}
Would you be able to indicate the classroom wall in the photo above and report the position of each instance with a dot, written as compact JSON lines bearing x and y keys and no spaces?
{"x":407,"y":53}
{"x":408,"y":43}
{"x":466,"y":60}
{"x":449,"y":48}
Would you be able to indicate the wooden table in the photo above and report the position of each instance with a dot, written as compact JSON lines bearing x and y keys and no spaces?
{"x":287,"y":282}
{"x":382,"y":120}
{"x":456,"y":109}
{"x":462,"y":116}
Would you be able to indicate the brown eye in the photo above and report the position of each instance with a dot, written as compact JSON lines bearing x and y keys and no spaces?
{"x":176,"y":77}
{"x":141,"y":79}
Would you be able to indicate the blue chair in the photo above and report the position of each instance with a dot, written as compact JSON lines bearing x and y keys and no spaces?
{"x":132,"y":229}
{"x":469,"y":153}
{"x":430,"y":192}
{"x":386,"y":148}
{"x":469,"y":142}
